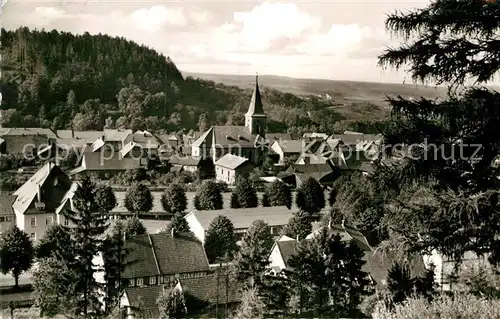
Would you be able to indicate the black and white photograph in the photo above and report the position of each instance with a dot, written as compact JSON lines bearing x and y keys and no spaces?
{"x":250,"y":159}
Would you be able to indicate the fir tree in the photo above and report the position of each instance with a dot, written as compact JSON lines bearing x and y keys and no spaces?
{"x":252,"y":258}
{"x":220,"y":240}
{"x":90,"y":222}
{"x":178,"y":224}
{"x":245,"y":194}
{"x":298,"y":227}
{"x":310,"y":197}
{"x":209,"y":196}
{"x":400,"y":283}
{"x":279,"y":194}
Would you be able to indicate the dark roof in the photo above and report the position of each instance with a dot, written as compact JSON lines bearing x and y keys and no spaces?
{"x":279,"y":136}
{"x":161,"y":254}
{"x":227,"y":136}
{"x":290,"y":146}
{"x":255,"y":107}
{"x":206,"y":288}
{"x":287,"y":248}
{"x":185,"y":160}
{"x":95,"y":162}
{"x":24,"y":131}
{"x":147,"y":295}
{"x":144,"y":139}
{"x":18,"y":144}
{"x":6,"y":201}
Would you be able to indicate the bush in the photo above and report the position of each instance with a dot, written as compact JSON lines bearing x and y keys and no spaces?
{"x":457,"y":306}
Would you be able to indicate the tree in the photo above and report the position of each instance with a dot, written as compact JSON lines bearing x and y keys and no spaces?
{"x":171,"y":304}
{"x":399,"y":283}
{"x":265,"y":200}
{"x":252,"y":258}
{"x":209,"y":196}
{"x":174,"y":199}
{"x":457,"y":203}
{"x":90,"y":222}
{"x":310,"y":197}
{"x":55,"y":283}
{"x":16,"y":252}
{"x":220,"y":240}
{"x":279,"y":194}
{"x":56,"y":242}
{"x":328,"y":269}
{"x":245,"y":193}
{"x":251,"y":306}
{"x":134,"y":227}
{"x":235,"y":203}
{"x":178,"y":224}
{"x":106,"y":197}
{"x":114,"y":255}
{"x":298,"y":227}
{"x":138,"y":199}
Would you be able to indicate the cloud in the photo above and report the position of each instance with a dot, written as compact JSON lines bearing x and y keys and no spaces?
{"x":157,"y":17}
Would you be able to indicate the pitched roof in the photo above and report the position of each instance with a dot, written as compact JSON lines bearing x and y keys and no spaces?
{"x":346,"y":234}
{"x":18,"y":144}
{"x":279,"y":136}
{"x":147,"y":295}
{"x":287,"y":249}
{"x":206,"y":288}
{"x":6,"y":201}
{"x":27,"y":131}
{"x":89,"y":136}
{"x":255,"y":106}
{"x":290,"y":146}
{"x":231,"y":161}
{"x":52,"y":194}
{"x":229,"y":136}
{"x":144,"y":139}
{"x":243,"y":217}
{"x":161,"y":254}
{"x":185,"y":160}
{"x":94,"y":162}
{"x":315,"y":135}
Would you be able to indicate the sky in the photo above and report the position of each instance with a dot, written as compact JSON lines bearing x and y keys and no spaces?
{"x":326,"y":39}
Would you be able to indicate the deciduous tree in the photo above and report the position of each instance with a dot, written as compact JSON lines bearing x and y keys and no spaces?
{"x":171,"y":304}
{"x":245,"y":194}
{"x":209,"y":196}
{"x":310,"y":197}
{"x":220,"y":242}
{"x":174,"y":199}
{"x":279,"y":194}
{"x":16,"y":252}
{"x":138,"y":199}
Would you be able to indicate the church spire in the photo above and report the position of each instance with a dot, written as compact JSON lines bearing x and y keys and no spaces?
{"x":255,"y":118}
{"x":255,"y":107}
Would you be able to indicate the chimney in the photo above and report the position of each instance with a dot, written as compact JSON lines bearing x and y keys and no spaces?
{"x":39,"y":194}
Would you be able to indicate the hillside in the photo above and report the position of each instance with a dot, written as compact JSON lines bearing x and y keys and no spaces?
{"x":60,"y":80}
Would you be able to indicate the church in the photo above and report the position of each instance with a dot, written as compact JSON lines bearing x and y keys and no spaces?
{"x":247,"y":141}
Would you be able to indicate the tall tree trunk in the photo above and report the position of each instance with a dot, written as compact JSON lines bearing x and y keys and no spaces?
{"x":16,"y":280}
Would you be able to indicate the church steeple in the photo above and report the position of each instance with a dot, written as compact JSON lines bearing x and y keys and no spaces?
{"x":255,"y":118}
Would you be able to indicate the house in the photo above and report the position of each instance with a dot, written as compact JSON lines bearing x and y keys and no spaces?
{"x":191,"y":164}
{"x":107,"y":164}
{"x":40,"y":201}
{"x":156,"y":260}
{"x":113,"y":139}
{"x":276,"y":217}
{"x":375,"y":265}
{"x":28,"y":141}
{"x":7,"y":216}
{"x":446,"y":270}
{"x":201,"y":294}
{"x":245,"y":141}
{"x":326,"y":174}
{"x":315,"y":136}
{"x":231,"y":167}
{"x":286,"y":149}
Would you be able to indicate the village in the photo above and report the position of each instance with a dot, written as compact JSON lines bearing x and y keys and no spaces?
{"x":223,"y":155}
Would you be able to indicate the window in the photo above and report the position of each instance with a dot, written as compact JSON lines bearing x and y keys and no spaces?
{"x":131,"y":282}
{"x":152,"y":280}
{"x":66,"y":222}
{"x":33,"y":236}
{"x":49,"y":220}
{"x":140,"y":282}
{"x":33,"y":221}
{"x":161,"y":279}
{"x":8,"y":219}
{"x":2,"y":219}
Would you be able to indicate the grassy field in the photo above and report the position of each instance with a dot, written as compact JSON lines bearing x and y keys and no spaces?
{"x":339,"y":91}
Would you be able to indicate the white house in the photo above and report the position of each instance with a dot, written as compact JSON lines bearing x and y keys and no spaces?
{"x":231,"y":167}
{"x":276,"y":217}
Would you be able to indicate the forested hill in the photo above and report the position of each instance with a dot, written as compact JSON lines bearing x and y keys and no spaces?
{"x":58,"y":80}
